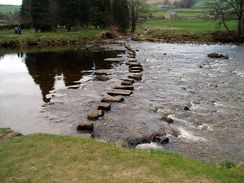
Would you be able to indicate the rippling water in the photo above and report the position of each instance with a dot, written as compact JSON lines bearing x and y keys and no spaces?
{"x":175,"y":76}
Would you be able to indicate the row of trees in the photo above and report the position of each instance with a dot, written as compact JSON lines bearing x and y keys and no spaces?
{"x":46,"y":15}
{"x":225,"y":10}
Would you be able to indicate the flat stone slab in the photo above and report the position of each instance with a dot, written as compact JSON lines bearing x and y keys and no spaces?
{"x":132,"y":60}
{"x":104,"y":106}
{"x":136,"y":68}
{"x":128,"y":47}
{"x":113,"y":99}
{"x":134,"y":64}
{"x":86,"y":126}
{"x":135,"y":71}
{"x":115,"y":92}
{"x":95,"y":114}
{"x":124,"y":87}
{"x":126,"y":83}
{"x":137,"y":77}
{"x":129,"y":80}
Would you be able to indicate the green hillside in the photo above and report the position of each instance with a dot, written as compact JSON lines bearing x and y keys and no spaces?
{"x":9,"y":8}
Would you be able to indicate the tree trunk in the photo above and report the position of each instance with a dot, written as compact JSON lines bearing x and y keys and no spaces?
{"x":133,"y":19}
{"x":240,"y":19}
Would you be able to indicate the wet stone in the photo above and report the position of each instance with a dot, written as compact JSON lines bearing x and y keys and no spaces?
{"x":167,"y":119}
{"x":134,"y":64}
{"x":126,"y":83}
{"x":124,"y":87}
{"x":129,"y":80}
{"x":95,"y":114}
{"x":128,"y":47}
{"x":104,"y":106}
{"x":86,"y":127}
{"x":136,"y":68}
{"x":137,"y":77}
{"x":115,"y":92}
{"x":113,"y":99}
{"x":135,"y":71}
{"x":132,"y":60}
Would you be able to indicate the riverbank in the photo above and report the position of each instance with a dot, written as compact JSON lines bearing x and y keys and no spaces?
{"x":49,"y":158}
{"x":29,"y":39}
{"x":9,"y":40}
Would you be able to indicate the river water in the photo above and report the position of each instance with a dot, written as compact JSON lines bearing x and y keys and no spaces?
{"x":52,"y":92}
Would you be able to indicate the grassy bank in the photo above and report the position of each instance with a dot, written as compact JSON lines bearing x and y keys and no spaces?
{"x":29,"y":38}
{"x":47,"y":158}
{"x":193,"y":30}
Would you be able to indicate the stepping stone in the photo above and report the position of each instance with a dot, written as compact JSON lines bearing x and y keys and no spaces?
{"x":126,"y":83}
{"x":136,"y":68}
{"x":95,"y":114}
{"x":115,"y":92}
{"x":113,"y":99}
{"x":131,"y":56}
{"x":135,"y":64}
{"x":132,"y":60}
{"x":135,"y":71}
{"x":129,"y":80}
{"x":131,"y":53}
{"x":128,"y":47}
{"x":124,"y":87}
{"x":137,"y":77}
{"x":104,"y":106}
{"x":86,"y":126}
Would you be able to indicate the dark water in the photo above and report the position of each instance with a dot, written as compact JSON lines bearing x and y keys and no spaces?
{"x":53,"y":92}
{"x":28,"y":81}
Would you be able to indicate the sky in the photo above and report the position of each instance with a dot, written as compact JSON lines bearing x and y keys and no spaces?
{"x":14,"y":2}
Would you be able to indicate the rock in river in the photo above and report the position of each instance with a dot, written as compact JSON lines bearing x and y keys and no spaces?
{"x":113,"y":99}
{"x":86,"y":126}
{"x":126,"y":83}
{"x":124,"y":87}
{"x":95,"y":114}
{"x":218,"y":55}
{"x":104,"y":106}
{"x":137,"y":77}
{"x":115,"y":92}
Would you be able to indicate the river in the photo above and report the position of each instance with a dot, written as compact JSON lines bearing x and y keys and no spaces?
{"x":52,"y":92}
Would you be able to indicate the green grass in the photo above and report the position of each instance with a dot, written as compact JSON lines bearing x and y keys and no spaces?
{"x":27,"y":35}
{"x":47,"y":158}
{"x":9,"y":8}
{"x":194,"y":25}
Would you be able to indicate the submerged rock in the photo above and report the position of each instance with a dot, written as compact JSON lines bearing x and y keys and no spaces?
{"x":95,"y":114}
{"x":218,"y":55}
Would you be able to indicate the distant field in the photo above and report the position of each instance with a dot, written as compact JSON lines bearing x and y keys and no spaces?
{"x":195,"y":25}
{"x":199,"y":9}
{"x":9,"y":8}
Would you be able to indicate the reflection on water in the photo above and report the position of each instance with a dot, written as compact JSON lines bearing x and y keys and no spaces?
{"x":48,"y":68}
{"x":29,"y":79}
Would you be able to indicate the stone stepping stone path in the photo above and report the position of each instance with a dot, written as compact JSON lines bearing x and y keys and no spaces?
{"x":117,"y":93}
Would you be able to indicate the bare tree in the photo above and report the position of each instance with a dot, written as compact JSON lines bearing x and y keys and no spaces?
{"x":225,"y":10}
{"x":135,"y":6}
